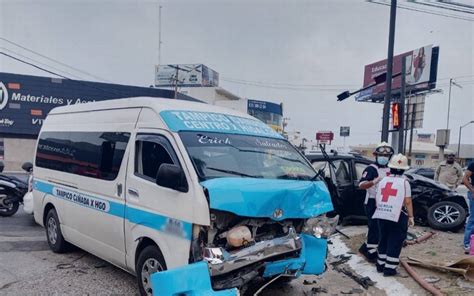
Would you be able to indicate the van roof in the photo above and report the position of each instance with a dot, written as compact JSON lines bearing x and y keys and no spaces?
{"x":157,"y":104}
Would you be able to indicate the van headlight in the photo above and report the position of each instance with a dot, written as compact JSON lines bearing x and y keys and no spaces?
{"x":321,"y":226}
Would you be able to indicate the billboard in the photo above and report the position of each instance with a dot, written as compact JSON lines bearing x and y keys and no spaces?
{"x":26,"y":100}
{"x":265,"y":106}
{"x":421,"y":68}
{"x":185,"y":75}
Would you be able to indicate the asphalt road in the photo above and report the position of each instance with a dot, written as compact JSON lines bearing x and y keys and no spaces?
{"x":28,"y":267}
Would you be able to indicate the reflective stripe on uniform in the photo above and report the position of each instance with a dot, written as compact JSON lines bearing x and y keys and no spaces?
{"x":382,"y":256}
{"x":370,"y":246}
{"x":393,"y":259}
{"x":380,"y":262}
{"x":371,"y":251}
{"x":391,"y":266}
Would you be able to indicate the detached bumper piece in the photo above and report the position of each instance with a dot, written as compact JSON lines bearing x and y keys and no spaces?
{"x":189,"y":280}
{"x":311,"y":260}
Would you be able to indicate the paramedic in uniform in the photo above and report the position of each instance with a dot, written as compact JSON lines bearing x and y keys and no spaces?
{"x":394,"y":213}
{"x":369,"y":181}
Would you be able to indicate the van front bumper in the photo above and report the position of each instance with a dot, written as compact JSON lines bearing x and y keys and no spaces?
{"x":195,"y":279}
{"x":221,"y":261}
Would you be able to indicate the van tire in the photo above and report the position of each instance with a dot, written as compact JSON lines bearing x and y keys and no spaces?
{"x":55,"y":238}
{"x":149,"y":261}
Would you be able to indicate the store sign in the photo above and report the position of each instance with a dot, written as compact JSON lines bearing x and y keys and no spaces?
{"x":25,"y":100}
{"x":265,"y":106}
{"x":325,"y":136}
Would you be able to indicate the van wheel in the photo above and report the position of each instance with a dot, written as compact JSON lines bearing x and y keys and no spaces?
{"x":149,"y":261}
{"x":56,"y":241}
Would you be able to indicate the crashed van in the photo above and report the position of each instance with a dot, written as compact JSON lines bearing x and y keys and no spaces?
{"x":193,"y":199}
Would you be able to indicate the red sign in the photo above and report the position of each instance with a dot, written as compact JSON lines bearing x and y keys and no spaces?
{"x":325,"y":136}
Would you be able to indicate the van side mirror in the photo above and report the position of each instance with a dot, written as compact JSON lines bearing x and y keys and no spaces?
{"x":2,"y":166}
{"x":171,"y":176}
{"x":27,"y":166}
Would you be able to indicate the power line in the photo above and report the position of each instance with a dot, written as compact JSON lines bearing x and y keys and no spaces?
{"x":59,"y":75}
{"x":37,"y":62}
{"x":285,"y":84}
{"x":423,"y":11}
{"x":436,"y":4}
{"x":53,"y":60}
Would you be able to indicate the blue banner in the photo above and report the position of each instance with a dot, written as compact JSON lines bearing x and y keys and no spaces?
{"x":180,"y":120}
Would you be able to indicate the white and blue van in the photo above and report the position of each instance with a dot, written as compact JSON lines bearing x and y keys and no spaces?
{"x":191,"y":198}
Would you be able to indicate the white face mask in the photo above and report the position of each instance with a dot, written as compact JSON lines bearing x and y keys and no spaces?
{"x":382,"y":160}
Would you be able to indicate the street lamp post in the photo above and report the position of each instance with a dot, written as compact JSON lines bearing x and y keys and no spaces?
{"x":451,"y":83}
{"x":459,"y":140}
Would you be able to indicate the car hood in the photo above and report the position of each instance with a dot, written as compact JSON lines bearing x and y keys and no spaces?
{"x":269,"y":198}
{"x":428,"y":182}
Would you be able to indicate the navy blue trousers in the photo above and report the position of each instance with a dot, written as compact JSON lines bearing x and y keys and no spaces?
{"x":373,"y":229}
{"x":392,"y":236}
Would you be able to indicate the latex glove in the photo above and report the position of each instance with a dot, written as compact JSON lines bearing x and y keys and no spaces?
{"x":411,"y":222}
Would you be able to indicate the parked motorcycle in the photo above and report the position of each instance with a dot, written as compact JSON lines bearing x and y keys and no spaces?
{"x":12,"y":190}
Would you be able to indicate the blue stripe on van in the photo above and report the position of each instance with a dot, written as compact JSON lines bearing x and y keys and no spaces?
{"x":137,"y":216}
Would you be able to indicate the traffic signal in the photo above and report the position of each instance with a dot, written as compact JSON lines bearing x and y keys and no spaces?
{"x":396,"y":115}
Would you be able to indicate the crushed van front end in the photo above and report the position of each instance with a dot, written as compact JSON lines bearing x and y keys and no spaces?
{"x":260,"y":229}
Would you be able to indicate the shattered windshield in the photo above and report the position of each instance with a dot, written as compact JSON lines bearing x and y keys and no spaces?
{"x":217,"y":155}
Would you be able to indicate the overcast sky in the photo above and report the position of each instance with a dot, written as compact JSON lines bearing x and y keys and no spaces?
{"x":282,"y":42}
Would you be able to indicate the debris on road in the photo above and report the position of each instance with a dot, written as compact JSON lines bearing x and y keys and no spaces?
{"x":464,"y":267}
{"x":343,"y":234}
{"x":317,"y":290}
{"x":432,"y":279}
{"x":306,"y":282}
{"x":353,"y":291}
{"x":419,"y":239}
{"x":363,"y":281}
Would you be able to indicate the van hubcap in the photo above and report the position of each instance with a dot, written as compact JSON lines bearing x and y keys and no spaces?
{"x":446,"y":214}
{"x":150,"y":266}
{"x":52,"y":231}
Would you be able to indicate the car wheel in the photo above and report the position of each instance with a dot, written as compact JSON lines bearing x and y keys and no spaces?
{"x":149,"y":261}
{"x":56,"y":241}
{"x":446,"y":215}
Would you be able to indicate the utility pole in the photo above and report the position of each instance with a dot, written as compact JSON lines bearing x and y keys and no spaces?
{"x":401,"y":127}
{"x":449,"y":102}
{"x":176,"y":83}
{"x":388,"y":83}
{"x":451,"y":83}
{"x":159,"y":33}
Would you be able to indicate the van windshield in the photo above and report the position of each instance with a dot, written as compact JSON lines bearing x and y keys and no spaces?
{"x":217,"y":155}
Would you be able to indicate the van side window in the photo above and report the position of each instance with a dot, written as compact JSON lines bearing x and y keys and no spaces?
{"x":151,"y":151}
{"x":91,"y":154}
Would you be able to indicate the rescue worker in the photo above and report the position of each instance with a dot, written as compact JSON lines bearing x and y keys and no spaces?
{"x":449,"y":172}
{"x":369,"y":181}
{"x":394,"y":213}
